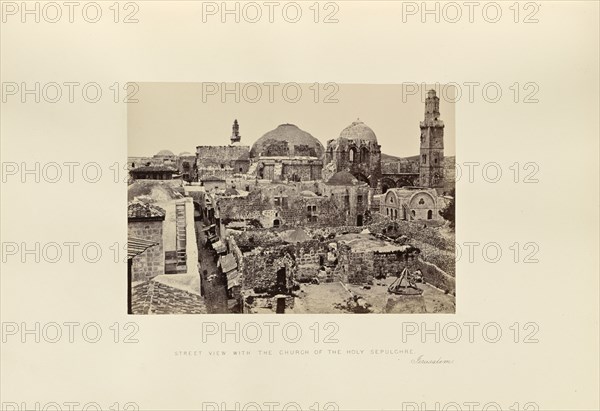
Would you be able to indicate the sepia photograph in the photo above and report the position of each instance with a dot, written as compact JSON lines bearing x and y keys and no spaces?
{"x":289,"y":218}
{"x":170,"y":168}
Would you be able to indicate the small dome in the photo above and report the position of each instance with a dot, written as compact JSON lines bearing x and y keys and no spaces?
{"x":184,"y":154}
{"x":358,"y":131}
{"x":342,"y":178}
{"x":287,"y":140}
{"x":165,"y":153}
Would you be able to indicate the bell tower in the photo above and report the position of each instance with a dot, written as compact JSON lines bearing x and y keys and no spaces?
{"x":235,"y":132}
{"x":431,"y":168}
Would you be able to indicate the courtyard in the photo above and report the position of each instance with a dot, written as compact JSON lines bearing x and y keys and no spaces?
{"x":329,"y":298}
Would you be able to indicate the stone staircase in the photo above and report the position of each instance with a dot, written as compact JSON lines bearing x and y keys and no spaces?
{"x":176,"y":261}
{"x":180,"y":235}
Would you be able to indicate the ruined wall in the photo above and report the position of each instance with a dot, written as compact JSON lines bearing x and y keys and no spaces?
{"x":303,"y":261}
{"x":363,"y":267}
{"x":260,"y":269}
{"x":360,"y":267}
{"x":151,"y":262}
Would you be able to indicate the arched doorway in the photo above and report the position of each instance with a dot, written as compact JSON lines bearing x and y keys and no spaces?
{"x":429,"y":214}
{"x":276,"y":222}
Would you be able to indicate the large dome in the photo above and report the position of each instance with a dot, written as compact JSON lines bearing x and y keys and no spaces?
{"x":165,"y":153}
{"x":358,"y":131}
{"x":287,"y":140}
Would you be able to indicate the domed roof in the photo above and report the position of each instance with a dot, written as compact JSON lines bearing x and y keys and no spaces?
{"x":165,"y":153}
{"x":287,"y":140}
{"x":358,"y":131}
{"x":184,"y":154}
{"x":342,"y":178}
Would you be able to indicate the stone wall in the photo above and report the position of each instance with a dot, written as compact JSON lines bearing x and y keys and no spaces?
{"x":391,"y":264}
{"x":260,"y":269}
{"x":363,"y":267}
{"x":360,"y":267}
{"x":221,"y":154}
{"x":151,"y":262}
{"x":233,"y":158}
{"x":436,"y":277}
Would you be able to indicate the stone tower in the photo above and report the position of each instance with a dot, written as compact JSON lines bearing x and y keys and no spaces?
{"x":235,"y":132}
{"x":431,"y":168}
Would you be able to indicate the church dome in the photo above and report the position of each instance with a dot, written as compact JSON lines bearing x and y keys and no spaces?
{"x":342,"y":178}
{"x":165,"y":153}
{"x":358,"y":131}
{"x":287,"y":140}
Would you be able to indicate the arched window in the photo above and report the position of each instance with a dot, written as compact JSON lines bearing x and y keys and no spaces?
{"x":364,"y":155}
{"x":424,"y":158}
{"x":429,"y":215}
{"x":352,"y":155}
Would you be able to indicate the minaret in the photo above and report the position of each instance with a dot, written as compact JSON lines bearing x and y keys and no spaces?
{"x":235,"y":132}
{"x":431,"y":168}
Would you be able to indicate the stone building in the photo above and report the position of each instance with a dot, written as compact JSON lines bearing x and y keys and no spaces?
{"x":186,"y":164}
{"x":152,"y":168}
{"x":351,"y":195}
{"x":341,"y":201}
{"x":223,"y":161}
{"x":287,"y":153}
{"x":153,"y":173}
{"x":411,"y":204}
{"x":145,"y":221}
{"x":356,"y":150}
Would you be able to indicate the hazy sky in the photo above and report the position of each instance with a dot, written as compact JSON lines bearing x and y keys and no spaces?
{"x":181,"y":116}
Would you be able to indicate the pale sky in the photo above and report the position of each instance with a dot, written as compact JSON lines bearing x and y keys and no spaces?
{"x":173,"y":116}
